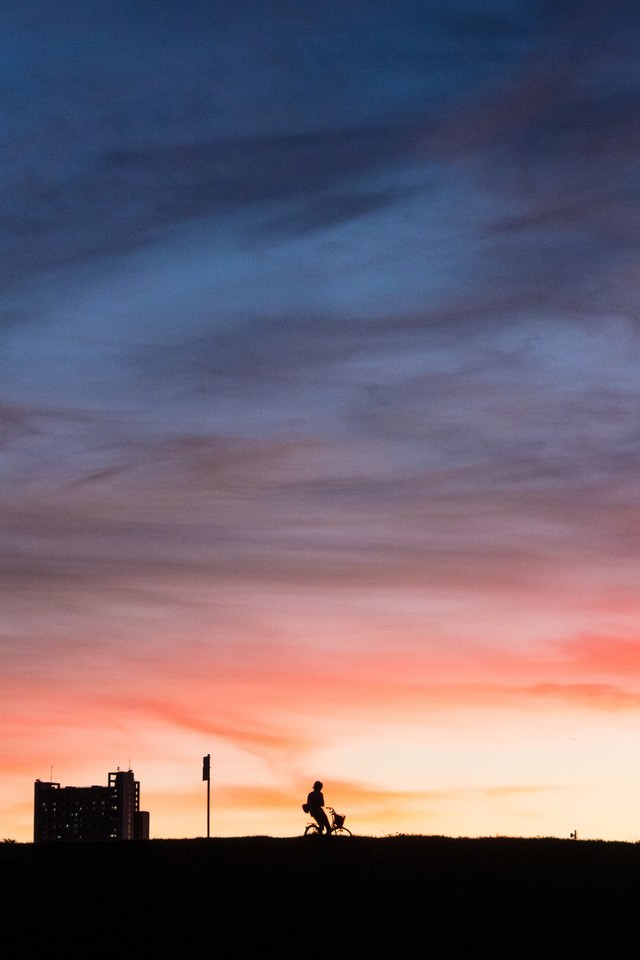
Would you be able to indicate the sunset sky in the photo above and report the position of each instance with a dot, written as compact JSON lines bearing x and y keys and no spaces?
{"x":320,"y":411}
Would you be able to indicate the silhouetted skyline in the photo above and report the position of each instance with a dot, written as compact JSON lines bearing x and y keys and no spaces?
{"x":110,"y":812}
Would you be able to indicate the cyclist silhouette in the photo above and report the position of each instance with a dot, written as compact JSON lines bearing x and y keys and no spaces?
{"x":315,"y":803}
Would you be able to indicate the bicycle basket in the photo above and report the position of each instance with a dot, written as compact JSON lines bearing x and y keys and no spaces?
{"x":338,"y":819}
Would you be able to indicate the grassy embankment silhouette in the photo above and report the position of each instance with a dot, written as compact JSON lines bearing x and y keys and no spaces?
{"x":328,"y":896}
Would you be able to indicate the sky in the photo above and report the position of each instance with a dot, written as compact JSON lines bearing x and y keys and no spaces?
{"x":319,"y":411}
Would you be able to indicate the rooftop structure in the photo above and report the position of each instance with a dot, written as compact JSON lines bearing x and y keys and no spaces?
{"x":90,"y":813}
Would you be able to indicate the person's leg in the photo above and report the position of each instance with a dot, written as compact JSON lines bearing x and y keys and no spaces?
{"x":324,"y":821}
{"x":321,"y":819}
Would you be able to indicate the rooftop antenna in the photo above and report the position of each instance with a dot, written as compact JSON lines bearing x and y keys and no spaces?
{"x":51,"y":774}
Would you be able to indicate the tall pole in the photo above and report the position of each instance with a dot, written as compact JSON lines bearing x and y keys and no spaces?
{"x":206,"y":775}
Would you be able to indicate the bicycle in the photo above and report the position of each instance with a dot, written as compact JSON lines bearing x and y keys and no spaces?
{"x":337,"y":826}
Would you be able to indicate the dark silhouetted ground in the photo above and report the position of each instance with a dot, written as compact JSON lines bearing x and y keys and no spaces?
{"x":326,"y":897}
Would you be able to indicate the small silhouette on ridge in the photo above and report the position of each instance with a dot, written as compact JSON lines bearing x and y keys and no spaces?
{"x":315,"y":807}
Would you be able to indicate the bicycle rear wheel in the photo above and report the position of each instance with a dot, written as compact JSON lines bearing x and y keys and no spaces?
{"x":311,"y":830}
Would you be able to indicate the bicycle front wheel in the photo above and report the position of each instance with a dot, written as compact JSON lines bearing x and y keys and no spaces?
{"x":341,"y":832}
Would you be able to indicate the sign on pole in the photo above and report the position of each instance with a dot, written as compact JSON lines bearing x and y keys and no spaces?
{"x":206,"y":775}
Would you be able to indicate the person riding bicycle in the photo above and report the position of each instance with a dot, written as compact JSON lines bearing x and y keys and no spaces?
{"x":315,"y":804}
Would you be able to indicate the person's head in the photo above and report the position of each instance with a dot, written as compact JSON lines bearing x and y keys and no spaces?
{"x":317,"y":785}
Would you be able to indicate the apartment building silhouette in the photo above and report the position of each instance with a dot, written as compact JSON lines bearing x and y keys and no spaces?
{"x":90,"y":813}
